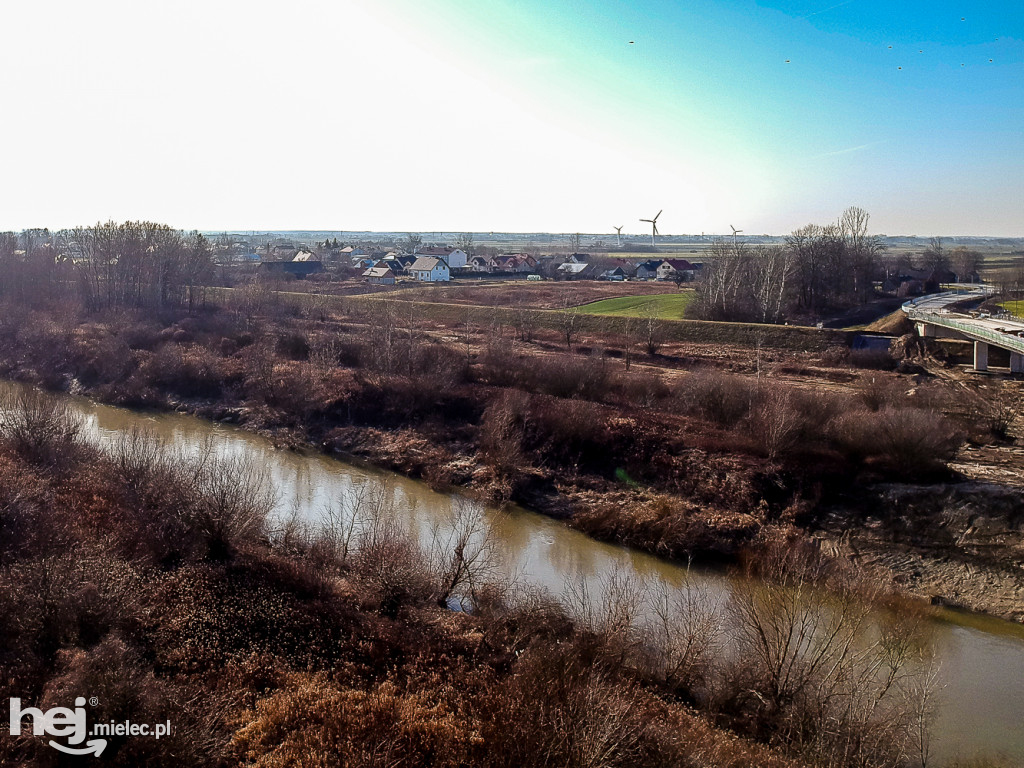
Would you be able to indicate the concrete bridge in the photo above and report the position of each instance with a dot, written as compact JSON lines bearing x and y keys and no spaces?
{"x":934,"y":319}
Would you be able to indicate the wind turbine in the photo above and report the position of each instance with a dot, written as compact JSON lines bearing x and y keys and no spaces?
{"x":654,"y":227}
{"x":734,"y":233}
{"x":618,"y":236}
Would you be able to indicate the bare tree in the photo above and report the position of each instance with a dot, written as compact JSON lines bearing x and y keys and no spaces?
{"x":464,"y":242}
{"x":935,"y":257}
{"x":965,"y":263}
{"x":653,"y":330}
{"x":629,"y":329}
{"x":682,"y":630}
{"x":412,"y":242}
{"x":464,"y":557}
{"x":824,"y":673}
{"x":569,"y":318}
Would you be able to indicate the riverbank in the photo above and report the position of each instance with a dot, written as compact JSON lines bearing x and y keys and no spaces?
{"x":150,"y":582}
{"x":682,"y":453}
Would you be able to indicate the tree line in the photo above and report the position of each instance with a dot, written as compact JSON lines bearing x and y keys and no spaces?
{"x":819,"y":268}
{"x":135,"y":263}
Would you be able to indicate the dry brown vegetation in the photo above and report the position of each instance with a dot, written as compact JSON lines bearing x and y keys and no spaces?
{"x":688,"y":450}
{"x":166,"y":571}
{"x":159,"y":584}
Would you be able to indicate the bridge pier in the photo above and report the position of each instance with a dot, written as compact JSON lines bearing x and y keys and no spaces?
{"x":925,"y":330}
{"x":1016,"y":362}
{"x":980,"y":356}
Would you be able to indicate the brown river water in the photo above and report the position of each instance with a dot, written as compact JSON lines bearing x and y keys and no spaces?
{"x":981,"y":660}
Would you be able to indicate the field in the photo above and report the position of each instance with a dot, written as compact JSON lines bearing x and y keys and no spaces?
{"x":546,"y":294}
{"x":1013,"y":307}
{"x":664,"y":306}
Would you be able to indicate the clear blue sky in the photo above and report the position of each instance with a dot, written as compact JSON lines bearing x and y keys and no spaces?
{"x":525,"y":115}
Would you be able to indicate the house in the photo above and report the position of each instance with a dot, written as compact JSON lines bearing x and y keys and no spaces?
{"x":453,"y":257}
{"x":675,"y":269}
{"x":379,"y":276}
{"x":427,"y":269}
{"x":393,"y":265}
{"x":514,"y":262}
{"x":480,"y":264}
{"x":648,"y":270}
{"x":572,"y":270}
{"x":304,"y":255}
{"x":616,"y":275}
{"x":296,"y":269}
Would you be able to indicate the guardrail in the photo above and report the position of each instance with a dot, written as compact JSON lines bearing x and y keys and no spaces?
{"x":966,"y":327}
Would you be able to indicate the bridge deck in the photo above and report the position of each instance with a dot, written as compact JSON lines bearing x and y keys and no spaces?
{"x":1000,"y":332}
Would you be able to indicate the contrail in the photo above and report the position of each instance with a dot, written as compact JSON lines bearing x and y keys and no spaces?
{"x":825,"y":10}
{"x":846,"y":151}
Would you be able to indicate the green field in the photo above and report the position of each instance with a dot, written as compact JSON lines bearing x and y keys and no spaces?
{"x":1013,"y":307}
{"x":664,"y":306}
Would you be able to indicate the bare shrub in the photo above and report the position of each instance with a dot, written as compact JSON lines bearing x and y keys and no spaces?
{"x":722,"y":398}
{"x":293,"y":346}
{"x":819,"y":673}
{"x":441,"y":365}
{"x":682,"y":628}
{"x":568,"y":376}
{"x":499,"y":363}
{"x":836,"y":355}
{"x":390,"y":566}
{"x":914,"y":440}
{"x":325,"y":353}
{"x":819,"y":407}
{"x":611,"y":617}
{"x":39,"y":428}
{"x":231,"y":502}
{"x":909,"y":440}
{"x":640,"y":389}
{"x":875,"y":359}
{"x":880,"y":391}
{"x":570,"y":431}
{"x":501,"y":432}
{"x":337,"y":534}
{"x":187,"y":370}
{"x":997,"y":413}
{"x":775,"y":421}
{"x":463,"y":555}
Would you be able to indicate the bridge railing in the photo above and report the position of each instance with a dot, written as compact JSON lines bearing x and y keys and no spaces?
{"x":966,"y":327}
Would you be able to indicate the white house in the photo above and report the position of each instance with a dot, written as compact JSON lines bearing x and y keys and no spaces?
{"x":453,"y":257}
{"x":427,"y":269}
{"x":671,"y":269}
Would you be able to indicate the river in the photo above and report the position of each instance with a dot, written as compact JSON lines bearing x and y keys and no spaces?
{"x":981,"y":660}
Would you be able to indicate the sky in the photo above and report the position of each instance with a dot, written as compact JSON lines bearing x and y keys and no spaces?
{"x":514,"y":115}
